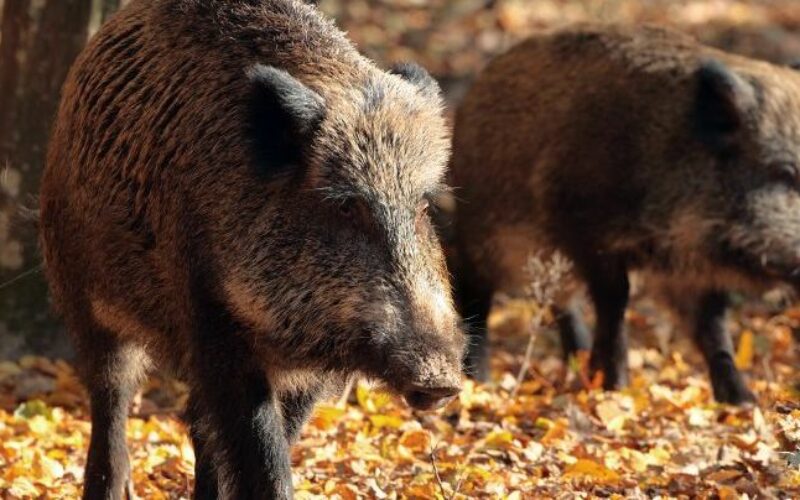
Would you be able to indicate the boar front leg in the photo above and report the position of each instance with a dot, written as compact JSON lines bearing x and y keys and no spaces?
{"x":715,"y":343}
{"x":296,"y":408}
{"x":206,"y":486}
{"x":572,"y":330}
{"x":243,"y":431}
{"x":240,"y":425}
{"x":609,"y":289}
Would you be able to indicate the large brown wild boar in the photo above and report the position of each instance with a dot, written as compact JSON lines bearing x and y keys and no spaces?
{"x":234,"y":193}
{"x":629,"y":148}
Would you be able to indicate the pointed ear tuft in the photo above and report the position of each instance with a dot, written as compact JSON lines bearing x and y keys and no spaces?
{"x":284,"y":114}
{"x":722,"y":103}
{"x":417,"y":75}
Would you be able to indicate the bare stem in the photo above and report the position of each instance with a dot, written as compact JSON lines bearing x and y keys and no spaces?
{"x":547,"y":274}
{"x":436,"y":472}
{"x":536,"y":323}
{"x":351,"y":381}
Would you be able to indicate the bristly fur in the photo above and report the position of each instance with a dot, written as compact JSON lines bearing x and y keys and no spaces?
{"x":628,"y":148}
{"x":234,"y":192}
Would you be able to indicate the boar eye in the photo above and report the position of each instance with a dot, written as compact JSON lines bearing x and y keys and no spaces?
{"x":787,"y":173}
{"x":354,"y":209}
{"x":348,"y":208}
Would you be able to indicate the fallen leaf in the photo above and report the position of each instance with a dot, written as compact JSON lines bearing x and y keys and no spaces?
{"x":590,"y":470}
{"x":745,"y":351}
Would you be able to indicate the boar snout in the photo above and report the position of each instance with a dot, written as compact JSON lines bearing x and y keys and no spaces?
{"x":430,"y":398}
{"x":436,"y":381}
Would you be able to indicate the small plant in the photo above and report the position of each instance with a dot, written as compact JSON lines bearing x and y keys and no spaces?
{"x":547,"y":275}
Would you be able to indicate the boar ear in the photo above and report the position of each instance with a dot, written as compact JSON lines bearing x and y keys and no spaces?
{"x":723,"y":101}
{"x":284,"y":115}
{"x":417,"y":75}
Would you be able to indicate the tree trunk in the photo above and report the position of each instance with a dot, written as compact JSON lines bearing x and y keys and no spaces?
{"x":60,"y":36}
{"x":13,"y":27}
{"x":25,"y":321}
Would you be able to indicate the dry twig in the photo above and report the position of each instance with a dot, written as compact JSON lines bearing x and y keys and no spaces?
{"x":547,"y":276}
{"x":432,"y":456}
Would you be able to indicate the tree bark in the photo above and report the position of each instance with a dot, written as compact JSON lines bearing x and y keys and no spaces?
{"x":25,"y":320}
{"x":59,"y":38}
{"x":14,"y":26}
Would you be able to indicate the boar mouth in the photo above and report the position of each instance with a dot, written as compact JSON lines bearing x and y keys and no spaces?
{"x":429,"y":398}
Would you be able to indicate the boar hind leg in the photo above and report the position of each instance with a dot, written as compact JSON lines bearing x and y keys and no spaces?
{"x":474,"y":304}
{"x":112,"y":372}
{"x":715,"y":343}
{"x":608,"y":287}
{"x":574,"y":334}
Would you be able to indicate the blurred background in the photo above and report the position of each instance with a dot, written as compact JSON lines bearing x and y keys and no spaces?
{"x":452,"y":38}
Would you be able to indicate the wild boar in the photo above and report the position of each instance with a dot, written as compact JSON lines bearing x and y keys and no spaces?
{"x":629,"y":148}
{"x":234,"y":193}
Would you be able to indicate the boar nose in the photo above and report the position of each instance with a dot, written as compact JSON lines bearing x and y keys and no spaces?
{"x":430,"y":398}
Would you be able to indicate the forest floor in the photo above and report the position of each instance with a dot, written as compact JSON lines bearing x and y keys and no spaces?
{"x":553,"y":435}
{"x":558,"y":436}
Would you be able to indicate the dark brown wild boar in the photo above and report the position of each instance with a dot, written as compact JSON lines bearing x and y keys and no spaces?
{"x":234,"y":193}
{"x":629,"y":149}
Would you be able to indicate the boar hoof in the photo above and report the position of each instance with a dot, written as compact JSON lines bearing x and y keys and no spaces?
{"x":615,"y":375}
{"x":614,"y":380}
{"x":729,"y":386}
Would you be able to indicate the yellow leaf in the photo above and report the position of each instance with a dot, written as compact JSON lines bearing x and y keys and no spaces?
{"x":370,"y":400}
{"x":50,"y":469}
{"x":326,"y":416}
{"x":659,"y":455}
{"x":744,"y":354}
{"x":187,"y":451}
{"x":33,"y":408}
{"x":390,"y":421}
{"x":589,"y":469}
{"x":22,"y":487}
{"x":40,"y":425}
{"x":699,"y":417}
{"x":533,"y":451}
{"x":614,"y":413}
{"x":555,"y":433}
{"x":499,"y":439}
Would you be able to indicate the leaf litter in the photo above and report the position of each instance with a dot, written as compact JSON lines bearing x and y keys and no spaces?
{"x":557,"y":437}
